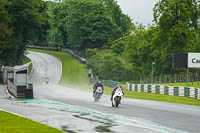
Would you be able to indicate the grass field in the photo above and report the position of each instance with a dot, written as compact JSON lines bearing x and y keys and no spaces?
{"x":10,"y":123}
{"x":75,"y":74}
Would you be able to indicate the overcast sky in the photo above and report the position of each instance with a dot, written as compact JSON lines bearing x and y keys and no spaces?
{"x":139,"y":10}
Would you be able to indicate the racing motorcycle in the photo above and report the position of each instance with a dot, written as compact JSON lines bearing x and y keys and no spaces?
{"x":117,"y":98}
{"x":98,"y":93}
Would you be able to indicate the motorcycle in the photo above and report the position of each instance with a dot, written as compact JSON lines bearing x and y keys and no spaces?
{"x":117,"y":98}
{"x":47,"y":80}
{"x":98,"y":93}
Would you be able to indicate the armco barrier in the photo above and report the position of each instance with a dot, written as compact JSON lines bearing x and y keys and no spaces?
{"x":109,"y":83}
{"x":165,"y":90}
{"x":77,"y":57}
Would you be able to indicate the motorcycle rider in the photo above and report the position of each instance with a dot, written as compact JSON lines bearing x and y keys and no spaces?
{"x":97,"y":84}
{"x":47,"y":80}
{"x":114,"y":89}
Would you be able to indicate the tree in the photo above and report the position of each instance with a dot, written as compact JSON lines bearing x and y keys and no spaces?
{"x":90,"y":26}
{"x":42,"y":31}
{"x":137,"y":50}
{"x":89,"y":23}
{"x":5,"y":34}
{"x":26,"y":19}
{"x":178,"y":23}
{"x":59,"y":22}
{"x":122,"y":22}
{"x":110,"y":66}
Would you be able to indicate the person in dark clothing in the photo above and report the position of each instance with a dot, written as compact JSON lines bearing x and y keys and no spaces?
{"x":97,"y":84}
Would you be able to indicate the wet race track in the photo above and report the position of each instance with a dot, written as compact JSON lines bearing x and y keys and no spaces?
{"x":74,"y":110}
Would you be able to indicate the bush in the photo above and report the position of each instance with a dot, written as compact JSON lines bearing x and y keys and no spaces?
{"x":110,"y":66}
{"x":90,"y":52}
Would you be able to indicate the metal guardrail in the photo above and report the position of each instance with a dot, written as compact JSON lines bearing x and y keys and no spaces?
{"x":109,"y":83}
{"x":73,"y":54}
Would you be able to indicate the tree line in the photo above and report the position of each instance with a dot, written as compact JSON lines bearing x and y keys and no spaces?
{"x":115,"y":47}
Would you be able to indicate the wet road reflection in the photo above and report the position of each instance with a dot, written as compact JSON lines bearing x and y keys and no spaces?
{"x":78,"y":119}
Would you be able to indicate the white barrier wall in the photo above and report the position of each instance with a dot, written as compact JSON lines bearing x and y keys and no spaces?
{"x":172,"y":90}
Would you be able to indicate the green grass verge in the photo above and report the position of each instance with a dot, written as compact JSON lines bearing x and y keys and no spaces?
{"x":10,"y":123}
{"x":74,"y":74}
{"x":27,"y":60}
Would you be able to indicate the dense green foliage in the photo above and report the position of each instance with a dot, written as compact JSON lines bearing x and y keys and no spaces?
{"x":177,"y":22}
{"x":92,"y":25}
{"x":15,"y":124}
{"x":95,"y":24}
{"x":108,"y":65}
{"x":26,"y":20}
{"x":5,"y":33}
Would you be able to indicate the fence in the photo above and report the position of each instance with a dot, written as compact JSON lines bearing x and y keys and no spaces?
{"x":73,"y":54}
{"x":181,"y":77}
{"x":109,"y":83}
{"x":165,"y":90}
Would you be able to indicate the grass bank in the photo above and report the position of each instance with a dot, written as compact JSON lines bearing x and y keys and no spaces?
{"x":10,"y":123}
{"x":76,"y":74}
{"x":27,"y":60}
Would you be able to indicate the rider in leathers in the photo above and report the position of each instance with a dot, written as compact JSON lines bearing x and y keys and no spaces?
{"x":97,"y":84}
{"x":114,"y":89}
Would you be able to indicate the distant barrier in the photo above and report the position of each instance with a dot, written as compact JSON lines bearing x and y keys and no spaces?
{"x":109,"y":83}
{"x":165,"y":90}
{"x":43,"y":48}
{"x":73,"y":54}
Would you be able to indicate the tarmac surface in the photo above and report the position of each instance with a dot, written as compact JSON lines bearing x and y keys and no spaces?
{"x":74,"y":110}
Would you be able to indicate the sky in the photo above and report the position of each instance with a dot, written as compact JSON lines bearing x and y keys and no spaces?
{"x":138,"y":10}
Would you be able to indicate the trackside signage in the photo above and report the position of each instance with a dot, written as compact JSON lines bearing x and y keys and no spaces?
{"x":193,"y":60}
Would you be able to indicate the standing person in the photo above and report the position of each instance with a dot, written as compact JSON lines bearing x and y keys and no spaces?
{"x":89,"y":73}
{"x":91,"y":78}
{"x":115,"y":88}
